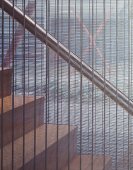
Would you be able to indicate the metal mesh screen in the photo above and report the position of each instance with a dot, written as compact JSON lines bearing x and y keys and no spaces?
{"x":100,"y":33}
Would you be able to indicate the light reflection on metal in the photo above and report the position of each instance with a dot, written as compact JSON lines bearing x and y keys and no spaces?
{"x":103,"y":84}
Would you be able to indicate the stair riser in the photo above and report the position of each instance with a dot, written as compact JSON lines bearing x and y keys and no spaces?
{"x":13,"y":121}
{"x":5,"y":82}
{"x":50,"y":156}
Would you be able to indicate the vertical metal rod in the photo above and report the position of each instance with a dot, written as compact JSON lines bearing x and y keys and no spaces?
{"x":42,"y":46}
{"x":95,"y":112}
{"x":13,"y":66}
{"x":129,"y":81}
{"x":89,"y":105}
{"x":75,"y":47}
{"x":69,"y":84}
{"x":110,"y":37}
{"x":75,"y":73}
{"x":92,"y":22}
{"x":61,"y":64}
{"x":35,"y":85}
{"x":116,"y":164}
{"x":28,"y":74}
{"x":55,"y":59}
{"x":47,"y":57}
{"x":23,"y":80}
{"x":57,"y":92}
{"x":2,"y":98}
{"x":124,"y":87}
{"x":47,"y":86}
{"x":81,"y":79}
{"x":104,"y":72}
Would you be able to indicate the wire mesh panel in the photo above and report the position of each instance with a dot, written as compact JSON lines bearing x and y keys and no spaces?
{"x":99,"y":33}
{"x":55,"y":116}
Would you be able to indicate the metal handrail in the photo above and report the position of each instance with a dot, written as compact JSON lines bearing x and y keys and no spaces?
{"x":40,"y":33}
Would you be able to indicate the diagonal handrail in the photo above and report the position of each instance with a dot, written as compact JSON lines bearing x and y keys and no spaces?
{"x":40,"y":33}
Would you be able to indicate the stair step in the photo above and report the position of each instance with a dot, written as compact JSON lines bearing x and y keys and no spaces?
{"x":41,"y":150}
{"x":86,"y":163}
{"x":13,"y":120}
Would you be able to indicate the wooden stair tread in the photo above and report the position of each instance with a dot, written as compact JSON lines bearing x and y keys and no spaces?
{"x":29,"y":144}
{"x":18,"y":101}
{"x":86,"y":163}
{"x":22,"y":116}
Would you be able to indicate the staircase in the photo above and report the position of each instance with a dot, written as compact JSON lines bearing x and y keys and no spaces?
{"x":27,"y":143}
